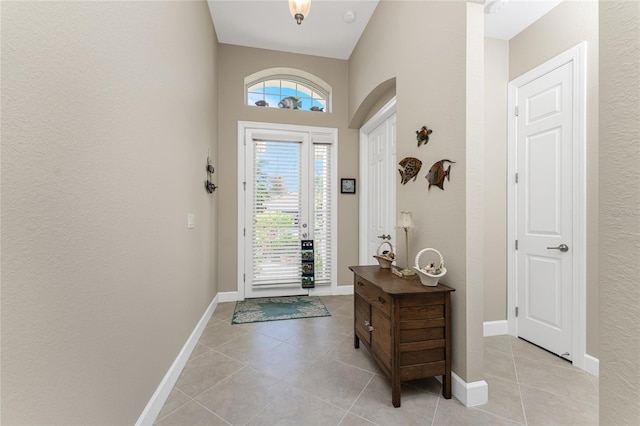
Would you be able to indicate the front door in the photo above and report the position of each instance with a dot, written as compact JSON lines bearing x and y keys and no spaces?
{"x":288,"y":197}
{"x":544,"y":188}
{"x":378,"y":175}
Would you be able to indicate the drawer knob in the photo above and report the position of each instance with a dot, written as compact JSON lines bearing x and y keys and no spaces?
{"x":381,"y":300}
{"x":367,"y":323}
{"x":371,"y":328}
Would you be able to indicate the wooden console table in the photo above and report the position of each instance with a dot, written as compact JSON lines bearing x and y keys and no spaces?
{"x":406,"y":326}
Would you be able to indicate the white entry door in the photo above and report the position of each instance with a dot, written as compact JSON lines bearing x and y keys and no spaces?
{"x":378,"y":175}
{"x":544,"y":210}
{"x":289,"y":196}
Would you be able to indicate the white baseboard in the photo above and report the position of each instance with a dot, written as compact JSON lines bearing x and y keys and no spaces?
{"x":228,"y":296}
{"x":169,"y":380}
{"x":592,"y":365}
{"x":495,"y":328}
{"x":339,"y":290}
{"x":469,"y":394}
{"x":343,"y":290}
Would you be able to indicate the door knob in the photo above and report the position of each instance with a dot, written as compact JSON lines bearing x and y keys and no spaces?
{"x":385,"y":237}
{"x":561,"y":247}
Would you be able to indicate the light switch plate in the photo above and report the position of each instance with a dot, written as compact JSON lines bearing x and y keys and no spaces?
{"x":191,"y":221}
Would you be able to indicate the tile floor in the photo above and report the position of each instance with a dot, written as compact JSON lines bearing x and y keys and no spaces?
{"x":306,"y":372}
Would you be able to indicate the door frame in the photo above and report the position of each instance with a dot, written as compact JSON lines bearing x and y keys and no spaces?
{"x":378,"y":118}
{"x":577,"y":55}
{"x":242,"y":127}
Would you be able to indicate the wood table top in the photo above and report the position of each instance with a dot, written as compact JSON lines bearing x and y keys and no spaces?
{"x":392,"y":284}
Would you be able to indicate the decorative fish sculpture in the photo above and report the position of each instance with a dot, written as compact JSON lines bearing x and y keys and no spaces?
{"x":410,"y":169}
{"x":290,"y":102}
{"x":262,"y":103}
{"x":316,"y":108}
{"x":437,"y":173}
{"x":422,"y":135}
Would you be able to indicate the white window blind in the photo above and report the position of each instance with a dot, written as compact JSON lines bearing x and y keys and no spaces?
{"x":322,"y":197}
{"x":277,"y":209}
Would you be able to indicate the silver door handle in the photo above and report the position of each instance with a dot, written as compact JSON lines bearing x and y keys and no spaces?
{"x":561,"y":247}
{"x":385,"y":237}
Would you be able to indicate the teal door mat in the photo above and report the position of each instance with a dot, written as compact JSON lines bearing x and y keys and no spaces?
{"x":278,"y":308}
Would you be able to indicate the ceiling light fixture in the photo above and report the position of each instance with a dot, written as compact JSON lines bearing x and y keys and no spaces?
{"x":493,"y":6}
{"x":299,"y":9}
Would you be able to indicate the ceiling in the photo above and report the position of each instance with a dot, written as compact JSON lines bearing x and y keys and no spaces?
{"x":513,"y":16}
{"x":267,"y":24}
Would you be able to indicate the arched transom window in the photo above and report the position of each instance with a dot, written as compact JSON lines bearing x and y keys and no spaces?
{"x":288,"y":88}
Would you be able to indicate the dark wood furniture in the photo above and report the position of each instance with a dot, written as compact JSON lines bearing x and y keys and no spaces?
{"x":406,"y":326}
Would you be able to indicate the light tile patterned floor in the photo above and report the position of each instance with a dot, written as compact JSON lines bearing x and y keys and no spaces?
{"x":306,"y":372}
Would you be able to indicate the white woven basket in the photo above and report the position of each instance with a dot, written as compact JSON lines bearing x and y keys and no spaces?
{"x":385,"y":260}
{"x":427,"y":278}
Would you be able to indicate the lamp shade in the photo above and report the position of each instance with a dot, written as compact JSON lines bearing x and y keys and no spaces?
{"x":405,"y":220}
{"x":299,"y":9}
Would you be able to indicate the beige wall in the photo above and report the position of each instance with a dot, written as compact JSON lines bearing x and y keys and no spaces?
{"x":235,"y":64}
{"x":496,"y":66}
{"x":429,"y":64}
{"x":108,"y":110}
{"x":619,"y":250}
{"x":565,"y":26}
{"x":380,"y":101}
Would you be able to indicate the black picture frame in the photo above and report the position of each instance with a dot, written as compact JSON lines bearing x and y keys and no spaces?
{"x":347,"y":186}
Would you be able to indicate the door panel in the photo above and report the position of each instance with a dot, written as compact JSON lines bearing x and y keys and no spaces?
{"x":381,"y":336}
{"x":277,"y":210}
{"x":544,"y":291}
{"x":544,"y":206}
{"x":362,"y":318}
{"x":543,"y":172}
{"x":380,"y":174}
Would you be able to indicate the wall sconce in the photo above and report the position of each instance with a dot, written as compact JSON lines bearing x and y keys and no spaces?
{"x":209,"y":186}
{"x":299,"y":9}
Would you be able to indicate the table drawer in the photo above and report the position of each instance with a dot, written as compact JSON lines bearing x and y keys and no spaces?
{"x":376,"y":297}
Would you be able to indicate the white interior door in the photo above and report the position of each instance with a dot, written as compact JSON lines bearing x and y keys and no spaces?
{"x":378,"y":176}
{"x":544,"y":210}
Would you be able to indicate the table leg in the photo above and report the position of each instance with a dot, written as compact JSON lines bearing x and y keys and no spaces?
{"x":446,"y":386}
{"x":356,"y":342}
{"x":396,"y":385}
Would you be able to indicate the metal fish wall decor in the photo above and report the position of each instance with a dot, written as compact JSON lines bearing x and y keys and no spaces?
{"x":437,"y":173}
{"x":410,"y":169}
{"x":422,"y":135}
{"x":262,"y":103}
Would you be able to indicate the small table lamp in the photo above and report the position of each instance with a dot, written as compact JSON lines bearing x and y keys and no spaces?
{"x":405,"y":221}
